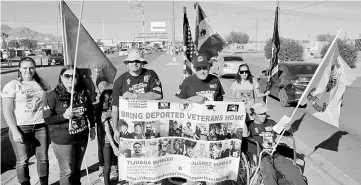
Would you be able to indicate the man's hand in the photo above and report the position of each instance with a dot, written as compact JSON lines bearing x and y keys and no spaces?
{"x":129,"y":95}
{"x":197,"y":99}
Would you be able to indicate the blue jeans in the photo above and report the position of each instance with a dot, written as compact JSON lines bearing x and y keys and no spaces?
{"x":35,"y":137}
{"x":284,"y":166}
{"x":70,"y":158}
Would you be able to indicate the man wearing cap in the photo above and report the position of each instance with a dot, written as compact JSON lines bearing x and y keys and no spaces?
{"x":202,"y":86}
{"x":261,"y":131}
{"x":136,"y":83}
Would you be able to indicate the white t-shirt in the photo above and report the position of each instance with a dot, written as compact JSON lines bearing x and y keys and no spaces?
{"x":246,"y":91}
{"x":28,"y":103}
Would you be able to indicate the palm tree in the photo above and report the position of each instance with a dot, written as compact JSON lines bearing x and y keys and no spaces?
{"x":3,"y":37}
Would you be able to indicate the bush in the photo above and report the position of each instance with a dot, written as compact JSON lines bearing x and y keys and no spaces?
{"x":290,"y":50}
{"x":347,"y":51}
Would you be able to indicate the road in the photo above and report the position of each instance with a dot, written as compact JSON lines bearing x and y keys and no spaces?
{"x":171,"y":76}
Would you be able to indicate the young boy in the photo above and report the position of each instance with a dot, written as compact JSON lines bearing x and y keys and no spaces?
{"x":261,"y":131}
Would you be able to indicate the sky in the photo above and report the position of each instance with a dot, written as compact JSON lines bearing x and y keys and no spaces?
{"x":300,"y":20}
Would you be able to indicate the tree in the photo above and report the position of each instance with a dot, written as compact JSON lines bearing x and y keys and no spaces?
{"x":13,"y":44}
{"x":237,"y":37}
{"x":290,"y":50}
{"x":29,"y":44}
{"x":3,"y":37}
{"x":347,"y":51}
{"x":325,"y":37}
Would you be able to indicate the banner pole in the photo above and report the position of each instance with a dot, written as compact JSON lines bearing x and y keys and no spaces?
{"x":184,"y":51}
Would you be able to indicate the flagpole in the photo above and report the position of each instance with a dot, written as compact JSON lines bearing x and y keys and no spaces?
{"x":306,"y":90}
{"x":63,"y":33}
{"x":74,"y":71}
{"x":184,"y":50}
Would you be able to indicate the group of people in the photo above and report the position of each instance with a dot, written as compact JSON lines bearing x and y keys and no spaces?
{"x":36,"y":113}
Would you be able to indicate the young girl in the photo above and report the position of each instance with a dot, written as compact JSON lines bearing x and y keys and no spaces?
{"x":246,"y":89}
{"x":110,"y":149}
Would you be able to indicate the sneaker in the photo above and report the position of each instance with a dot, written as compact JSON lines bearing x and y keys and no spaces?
{"x":100,"y":173}
{"x":114,"y":172}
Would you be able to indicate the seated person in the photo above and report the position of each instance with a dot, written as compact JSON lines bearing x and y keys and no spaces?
{"x":261,"y":131}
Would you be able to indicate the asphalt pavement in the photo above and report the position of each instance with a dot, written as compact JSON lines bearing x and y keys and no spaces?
{"x":326,"y":165}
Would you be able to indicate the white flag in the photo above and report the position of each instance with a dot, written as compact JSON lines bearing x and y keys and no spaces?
{"x":323,"y":94}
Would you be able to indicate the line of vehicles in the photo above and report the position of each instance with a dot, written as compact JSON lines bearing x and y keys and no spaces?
{"x":288,"y":88}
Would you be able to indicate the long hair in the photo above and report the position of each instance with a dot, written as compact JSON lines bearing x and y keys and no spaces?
{"x":60,"y":89}
{"x":36,"y":77}
{"x":238,"y":76}
{"x":105,"y":103}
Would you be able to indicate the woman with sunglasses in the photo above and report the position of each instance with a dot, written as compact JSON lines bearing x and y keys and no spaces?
{"x":245,"y":88}
{"x":69,"y":127}
{"x":23,"y":99}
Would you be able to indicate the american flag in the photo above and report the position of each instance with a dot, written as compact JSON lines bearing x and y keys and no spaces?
{"x":358,"y":44}
{"x":191,"y":50}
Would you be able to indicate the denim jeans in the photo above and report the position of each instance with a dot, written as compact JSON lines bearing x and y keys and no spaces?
{"x":101,"y":141}
{"x":35,"y":137}
{"x":70,"y":158}
{"x":284,"y":166}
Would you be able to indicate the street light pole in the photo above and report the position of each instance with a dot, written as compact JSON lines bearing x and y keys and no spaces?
{"x":174,"y":57}
{"x":143,"y":23}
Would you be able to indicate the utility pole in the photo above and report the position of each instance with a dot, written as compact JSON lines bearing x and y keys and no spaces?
{"x":256,"y":34}
{"x":103,"y":32}
{"x":143,"y":24}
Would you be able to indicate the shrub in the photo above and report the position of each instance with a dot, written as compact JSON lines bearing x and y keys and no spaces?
{"x":290,"y":50}
{"x":347,"y":51}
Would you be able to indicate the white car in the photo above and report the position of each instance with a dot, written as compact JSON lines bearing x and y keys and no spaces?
{"x":229,"y":64}
{"x":123,"y":52}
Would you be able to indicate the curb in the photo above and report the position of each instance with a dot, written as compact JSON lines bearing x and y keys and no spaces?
{"x":321,"y":165}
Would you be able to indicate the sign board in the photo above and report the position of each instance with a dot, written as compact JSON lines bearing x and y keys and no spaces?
{"x":157,"y":26}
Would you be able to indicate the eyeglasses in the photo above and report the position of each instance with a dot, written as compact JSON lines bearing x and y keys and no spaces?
{"x":67,"y":76}
{"x":201,"y":68}
{"x":241,"y":72}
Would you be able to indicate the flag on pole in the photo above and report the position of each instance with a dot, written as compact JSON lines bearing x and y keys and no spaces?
{"x":190,"y":48}
{"x":90,"y":57}
{"x":206,"y":41}
{"x":276,"y":45}
{"x":324,"y":93}
{"x":358,"y":44}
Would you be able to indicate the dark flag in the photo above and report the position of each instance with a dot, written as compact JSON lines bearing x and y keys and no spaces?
{"x":276,"y":45}
{"x":188,"y":42}
{"x":358,"y":44}
{"x":207,"y":42}
{"x":90,"y":57}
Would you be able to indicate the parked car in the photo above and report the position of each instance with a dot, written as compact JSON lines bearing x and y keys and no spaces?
{"x":56,"y":58}
{"x":123,"y":52}
{"x":292,"y":82}
{"x":4,"y":54}
{"x":229,"y":64}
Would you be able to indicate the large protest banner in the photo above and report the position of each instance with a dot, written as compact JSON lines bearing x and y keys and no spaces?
{"x":198,"y":142}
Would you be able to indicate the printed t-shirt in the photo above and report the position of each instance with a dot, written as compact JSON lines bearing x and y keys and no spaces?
{"x":263,"y":134}
{"x":147,"y":81}
{"x":28,"y":102}
{"x":245,"y":91}
{"x":210,"y":88}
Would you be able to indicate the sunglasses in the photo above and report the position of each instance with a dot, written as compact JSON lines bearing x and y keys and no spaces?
{"x":67,"y":76}
{"x":135,"y":61}
{"x":201,"y":68}
{"x":241,"y":72}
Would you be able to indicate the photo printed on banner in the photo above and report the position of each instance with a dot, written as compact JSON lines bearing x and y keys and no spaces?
{"x":178,"y":146}
{"x":164,"y":147}
{"x":189,"y":129}
{"x":175,"y":128}
{"x":214,"y":130}
{"x":152,"y":129}
{"x":125,"y":148}
{"x":236,"y":148}
{"x":151,"y":148}
{"x":202,"y":150}
{"x":189,"y":148}
{"x":215,"y":150}
{"x":138,"y":149}
{"x":202,"y":131}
